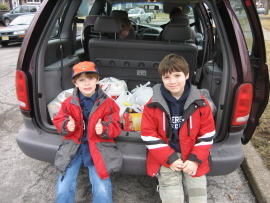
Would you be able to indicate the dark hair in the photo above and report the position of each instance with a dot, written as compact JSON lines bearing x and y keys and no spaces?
{"x":125,"y":23}
{"x":173,"y":63}
{"x":88,"y":75}
{"x":175,"y":10}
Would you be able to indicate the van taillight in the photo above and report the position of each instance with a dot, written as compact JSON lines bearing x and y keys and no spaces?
{"x":243,"y":104}
{"x":21,"y":89}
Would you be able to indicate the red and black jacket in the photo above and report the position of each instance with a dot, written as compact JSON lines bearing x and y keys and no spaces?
{"x":195,"y":135}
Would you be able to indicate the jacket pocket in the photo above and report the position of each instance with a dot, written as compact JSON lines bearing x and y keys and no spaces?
{"x":65,"y":154}
{"x":111,"y":155}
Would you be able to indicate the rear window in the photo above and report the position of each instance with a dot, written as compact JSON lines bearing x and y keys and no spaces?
{"x":83,"y":11}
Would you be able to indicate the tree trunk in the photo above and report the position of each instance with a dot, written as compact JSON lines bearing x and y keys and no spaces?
{"x":266,"y":6}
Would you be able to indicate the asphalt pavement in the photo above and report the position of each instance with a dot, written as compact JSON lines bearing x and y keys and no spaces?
{"x":253,"y":166}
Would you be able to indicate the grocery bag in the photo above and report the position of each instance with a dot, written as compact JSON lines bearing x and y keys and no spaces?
{"x":55,"y":105}
{"x":113,"y":87}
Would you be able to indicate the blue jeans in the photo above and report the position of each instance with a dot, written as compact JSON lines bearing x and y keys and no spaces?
{"x":66,"y":189}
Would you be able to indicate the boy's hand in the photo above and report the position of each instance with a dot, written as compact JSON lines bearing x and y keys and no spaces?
{"x":99,"y":127}
{"x":177,"y":165}
{"x":190,"y":167}
{"x":71,"y":124}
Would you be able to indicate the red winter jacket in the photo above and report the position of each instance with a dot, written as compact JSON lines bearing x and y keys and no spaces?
{"x":195,"y":135}
{"x":104,"y":108}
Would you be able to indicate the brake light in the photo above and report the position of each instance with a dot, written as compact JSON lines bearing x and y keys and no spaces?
{"x":243,"y":104}
{"x":21,"y":89}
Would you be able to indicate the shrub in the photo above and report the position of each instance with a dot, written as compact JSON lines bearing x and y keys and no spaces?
{"x":3,"y":8}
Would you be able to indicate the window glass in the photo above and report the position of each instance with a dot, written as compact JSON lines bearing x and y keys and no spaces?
{"x":134,"y":9}
{"x":155,"y":9}
{"x":33,"y":9}
{"x":55,"y":30}
{"x":243,"y":20}
{"x":25,"y":9}
{"x":83,"y":11}
{"x":17,"y":10}
{"x":33,"y":1}
{"x":85,"y":8}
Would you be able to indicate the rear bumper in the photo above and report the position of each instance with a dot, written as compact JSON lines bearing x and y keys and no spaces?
{"x":38,"y":144}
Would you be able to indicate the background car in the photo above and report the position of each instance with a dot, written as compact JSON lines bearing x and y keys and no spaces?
{"x":16,"y":30}
{"x":139,"y":14}
{"x":20,"y":10}
{"x":261,"y":10}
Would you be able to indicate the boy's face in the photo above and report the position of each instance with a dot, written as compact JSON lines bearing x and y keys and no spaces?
{"x":125,"y":32}
{"x":175,"y":83}
{"x":86,"y":85}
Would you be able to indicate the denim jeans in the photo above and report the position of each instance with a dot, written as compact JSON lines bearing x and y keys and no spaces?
{"x":66,"y":189}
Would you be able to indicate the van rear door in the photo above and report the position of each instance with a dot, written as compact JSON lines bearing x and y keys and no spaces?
{"x":259,"y":70}
{"x":246,"y":14}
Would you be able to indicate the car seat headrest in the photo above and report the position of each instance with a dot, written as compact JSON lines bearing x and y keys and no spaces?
{"x":90,"y":20}
{"x":180,"y":19}
{"x":177,"y":33}
{"x":107,"y":24}
{"x":119,"y":14}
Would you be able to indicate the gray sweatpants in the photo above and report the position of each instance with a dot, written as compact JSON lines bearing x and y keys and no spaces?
{"x":174,"y":186}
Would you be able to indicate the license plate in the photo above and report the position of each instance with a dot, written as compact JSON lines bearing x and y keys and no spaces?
{"x":5,"y":38}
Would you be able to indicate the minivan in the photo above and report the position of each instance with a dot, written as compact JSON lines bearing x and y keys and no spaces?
{"x":223,"y":45}
{"x":19,"y":10}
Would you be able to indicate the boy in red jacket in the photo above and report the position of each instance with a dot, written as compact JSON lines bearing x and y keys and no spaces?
{"x":89,"y":120}
{"x":178,"y":129}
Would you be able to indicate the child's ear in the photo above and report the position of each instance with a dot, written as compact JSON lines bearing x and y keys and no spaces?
{"x":187,"y":76}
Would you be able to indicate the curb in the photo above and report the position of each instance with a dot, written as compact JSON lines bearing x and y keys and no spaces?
{"x":257,"y":174}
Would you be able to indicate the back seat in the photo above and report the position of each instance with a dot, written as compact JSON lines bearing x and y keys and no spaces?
{"x":136,"y":61}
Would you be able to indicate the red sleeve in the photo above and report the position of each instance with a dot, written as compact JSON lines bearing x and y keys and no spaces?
{"x":111,"y":121}
{"x":61,"y":119}
{"x":206,"y":134}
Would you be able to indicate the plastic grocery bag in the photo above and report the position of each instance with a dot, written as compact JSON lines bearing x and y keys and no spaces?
{"x":142,"y":94}
{"x":55,"y":105}
{"x":124,"y":100}
{"x":113,"y":87}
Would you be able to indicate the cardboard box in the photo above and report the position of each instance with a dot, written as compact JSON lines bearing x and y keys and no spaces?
{"x":132,"y":121}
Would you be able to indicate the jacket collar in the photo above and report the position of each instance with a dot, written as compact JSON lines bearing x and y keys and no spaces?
{"x":158,"y":99}
{"x":102,"y":96}
{"x":193,"y":96}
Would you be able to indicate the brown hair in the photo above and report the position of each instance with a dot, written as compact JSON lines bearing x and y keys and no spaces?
{"x":88,"y":75}
{"x":173,"y":63}
{"x":125,"y":23}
